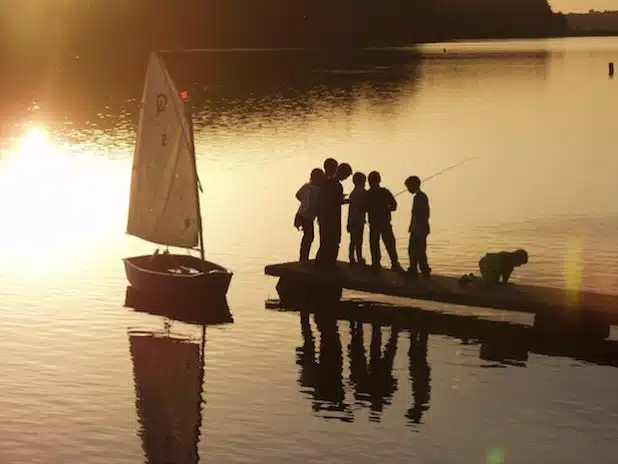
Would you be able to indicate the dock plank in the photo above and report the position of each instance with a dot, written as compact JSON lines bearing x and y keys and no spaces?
{"x":446,"y":289}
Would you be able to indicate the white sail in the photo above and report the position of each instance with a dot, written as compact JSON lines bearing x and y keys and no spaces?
{"x":163,"y":207}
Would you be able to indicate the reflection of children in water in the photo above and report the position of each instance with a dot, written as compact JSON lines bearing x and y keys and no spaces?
{"x":419,"y":375}
{"x":305,"y":355}
{"x":373,"y":382}
{"x":325,"y":376}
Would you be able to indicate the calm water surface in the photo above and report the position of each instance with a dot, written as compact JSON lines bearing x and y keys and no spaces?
{"x":279,"y":387}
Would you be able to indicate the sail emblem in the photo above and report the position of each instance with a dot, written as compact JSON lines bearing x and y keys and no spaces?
{"x":161,"y":103}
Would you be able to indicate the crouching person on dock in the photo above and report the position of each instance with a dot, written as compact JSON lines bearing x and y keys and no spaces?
{"x":308,"y":196}
{"x":380,"y":203}
{"x":496,"y":266}
{"x":419,"y":230}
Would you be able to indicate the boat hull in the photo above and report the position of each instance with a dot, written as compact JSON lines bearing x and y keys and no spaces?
{"x":211,"y":282}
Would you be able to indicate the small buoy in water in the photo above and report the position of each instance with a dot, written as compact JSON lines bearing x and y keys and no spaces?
{"x":611,"y":69}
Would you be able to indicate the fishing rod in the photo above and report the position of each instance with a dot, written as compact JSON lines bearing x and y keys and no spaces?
{"x":440,"y":172}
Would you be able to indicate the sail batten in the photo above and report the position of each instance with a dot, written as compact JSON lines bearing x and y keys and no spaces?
{"x":163,"y":205}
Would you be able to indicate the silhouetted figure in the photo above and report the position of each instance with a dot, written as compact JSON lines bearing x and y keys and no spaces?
{"x":308,"y":195}
{"x":329,"y":216}
{"x":329,"y":386}
{"x":380,"y":202}
{"x":305,"y":355}
{"x":330,"y":168}
{"x":359,"y":370}
{"x":419,"y":375}
{"x":383,"y":384}
{"x":373,"y":382}
{"x":356,"y":218}
{"x":496,"y":266}
{"x":419,"y":229}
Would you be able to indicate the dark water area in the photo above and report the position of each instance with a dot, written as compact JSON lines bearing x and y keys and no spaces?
{"x":92,"y":374}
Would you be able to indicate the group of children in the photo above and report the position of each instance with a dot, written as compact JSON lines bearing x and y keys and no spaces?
{"x":322,"y":198}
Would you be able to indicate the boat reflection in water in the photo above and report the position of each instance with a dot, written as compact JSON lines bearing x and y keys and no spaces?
{"x":371,"y":382}
{"x":168,"y":371}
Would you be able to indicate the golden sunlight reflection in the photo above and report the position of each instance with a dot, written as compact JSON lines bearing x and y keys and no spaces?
{"x":56,"y":204}
{"x":573,"y":270}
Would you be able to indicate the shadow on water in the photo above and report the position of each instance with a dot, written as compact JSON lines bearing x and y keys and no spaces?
{"x":371,"y":381}
{"x":168,"y":371}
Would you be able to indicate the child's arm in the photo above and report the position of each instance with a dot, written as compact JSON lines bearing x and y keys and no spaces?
{"x":299,"y":193}
{"x":507,"y":270}
{"x":392,"y":203}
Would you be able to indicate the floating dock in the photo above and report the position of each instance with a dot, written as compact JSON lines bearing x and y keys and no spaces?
{"x":554,"y":308}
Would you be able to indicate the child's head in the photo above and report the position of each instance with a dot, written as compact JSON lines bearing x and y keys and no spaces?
{"x":330,"y":167}
{"x":520,"y":257}
{"x":359,"y":179}
{"x":317,"y":176}
{"x":413,"y":183}
{"x":344,"y":170}
{"x":374,"y":179}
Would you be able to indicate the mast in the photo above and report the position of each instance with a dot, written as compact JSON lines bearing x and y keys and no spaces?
{"x":200,"y":399}
{"x":197,"y":188}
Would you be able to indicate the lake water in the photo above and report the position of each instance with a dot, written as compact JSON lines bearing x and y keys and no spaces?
{"x":538,"y":115}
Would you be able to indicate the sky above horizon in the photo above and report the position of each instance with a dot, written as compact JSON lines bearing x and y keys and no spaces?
{"x":583,"y":5}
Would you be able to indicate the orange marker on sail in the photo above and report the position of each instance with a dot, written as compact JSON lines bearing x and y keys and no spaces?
{"x":184,"y":95}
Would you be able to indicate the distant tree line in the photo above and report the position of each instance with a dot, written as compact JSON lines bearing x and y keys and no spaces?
{"x":31,"y":29}
{"x":593,"y":21}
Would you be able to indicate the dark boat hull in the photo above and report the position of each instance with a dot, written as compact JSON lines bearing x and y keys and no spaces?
{"x":210,"y":283}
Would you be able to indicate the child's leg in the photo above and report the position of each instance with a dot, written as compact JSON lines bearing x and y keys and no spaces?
{"x":350,"y":229}
{"x":307,"y":240}
{"x":359,"y":244}
{"x":488,"y":275}
{"x":352,"y":249}
{"x":374,"y":245}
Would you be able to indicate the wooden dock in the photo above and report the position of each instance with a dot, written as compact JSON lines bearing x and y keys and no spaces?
{"x":553,"y":307}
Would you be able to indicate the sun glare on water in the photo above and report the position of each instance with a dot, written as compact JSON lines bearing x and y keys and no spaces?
{"x":54,"y":204}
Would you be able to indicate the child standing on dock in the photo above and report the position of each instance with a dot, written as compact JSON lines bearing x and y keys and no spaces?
{"x":331,"y":199}
{"x":356,"y":218}
{"x":419,"y":229}
{"x":380,"y":203}
{"x":308,"y":195}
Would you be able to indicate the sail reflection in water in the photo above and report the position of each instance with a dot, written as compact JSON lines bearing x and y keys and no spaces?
{"x":168,"y":371}
{"x":168,"y":374}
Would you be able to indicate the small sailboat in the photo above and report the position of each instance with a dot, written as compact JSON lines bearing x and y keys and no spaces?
{"x":164,"y":205}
